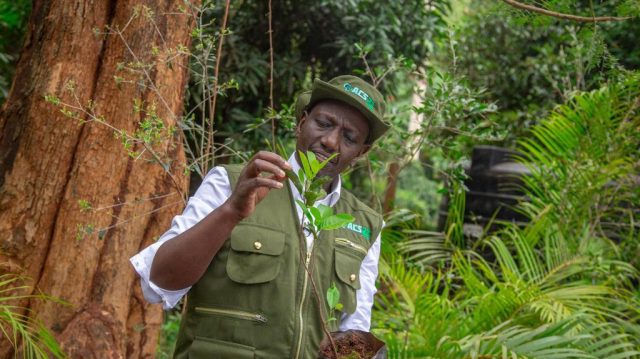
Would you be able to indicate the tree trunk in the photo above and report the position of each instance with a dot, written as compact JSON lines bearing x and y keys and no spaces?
{"x":49,"y":162}
{"x":390,"y":190}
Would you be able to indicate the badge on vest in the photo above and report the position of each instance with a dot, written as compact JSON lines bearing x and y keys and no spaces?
{"x":364,"y":231}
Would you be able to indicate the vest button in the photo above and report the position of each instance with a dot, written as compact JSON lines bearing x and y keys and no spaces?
{"x":257,"y":245}
{"x":352,"y":277}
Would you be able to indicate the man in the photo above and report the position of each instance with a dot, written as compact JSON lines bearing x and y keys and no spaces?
{"x":240,"y":253}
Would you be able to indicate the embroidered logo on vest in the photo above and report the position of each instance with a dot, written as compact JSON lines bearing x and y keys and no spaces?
{"x":364,"y":231}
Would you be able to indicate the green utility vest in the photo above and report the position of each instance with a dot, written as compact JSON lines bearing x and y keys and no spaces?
{"x":256,"y":300}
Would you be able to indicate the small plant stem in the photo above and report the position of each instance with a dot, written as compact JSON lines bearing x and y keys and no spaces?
{"x":133,"y":202}
{"x":207,"y":94}
{"x":152,"y":85}
{"x":212,"y":107}
{"x":273,"y":121}
{"x":95,"y":118}
{"x":139,"y":216}
{"x":521,"y":6}
{"x":313,"y":283}
{"x":183,"y":196}
{"x":369,"y":71}
{"x":386,"y":72}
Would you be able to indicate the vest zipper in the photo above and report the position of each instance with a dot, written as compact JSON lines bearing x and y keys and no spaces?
{"x":304,"y":294}
{"x":233,"y":313}
{"x":347,"y":243}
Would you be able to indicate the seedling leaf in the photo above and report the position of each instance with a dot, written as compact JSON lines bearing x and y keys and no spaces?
{"x":305,"y":165}
{"x":313,"y":163}
{"x":317,"y":215}
{"x":333,"y":296}
{"x":335,"y":221}
{"x":297,"y":183}
{"x":324,"y":163}
{"x":325,"y":211}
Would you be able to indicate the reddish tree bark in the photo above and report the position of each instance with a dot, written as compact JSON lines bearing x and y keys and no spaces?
{"x":49,"y":162}
{"x":390,"y":190}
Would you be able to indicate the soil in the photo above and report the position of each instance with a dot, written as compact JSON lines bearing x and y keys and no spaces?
{"x":350,"y":344}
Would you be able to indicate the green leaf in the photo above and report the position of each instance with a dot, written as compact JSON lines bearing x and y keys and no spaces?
{"x":321,"y":181}
{"x":302,"y":178}
{"x":325,"y":211}
{"x":311,"y":197}
{"x":317,"y":215}
{"x":297,"y":183}
{"x":335,"y":221}
{"x":313,"y":163}
{"x":316,"y":186}
{"x":324,"y":163}
{"x":305,"y":165}
{"x":333,"y":296}
{"x":304,"y":208}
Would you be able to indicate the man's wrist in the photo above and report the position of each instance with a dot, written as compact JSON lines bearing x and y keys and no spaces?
{"x":230,"y":213}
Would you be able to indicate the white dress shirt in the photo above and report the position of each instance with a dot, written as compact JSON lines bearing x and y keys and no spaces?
{"x":213,"y":192}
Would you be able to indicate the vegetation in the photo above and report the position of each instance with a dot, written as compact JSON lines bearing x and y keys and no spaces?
{"x":30,"y":337}
{"x":561,"y":285}
{"x":544,"y":78}
{"x":13,"y":19}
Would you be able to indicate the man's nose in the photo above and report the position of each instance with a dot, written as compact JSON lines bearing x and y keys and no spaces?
{"x":331,"y":140}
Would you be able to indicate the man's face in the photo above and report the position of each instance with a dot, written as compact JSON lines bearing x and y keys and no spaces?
{"x":333,"y":127}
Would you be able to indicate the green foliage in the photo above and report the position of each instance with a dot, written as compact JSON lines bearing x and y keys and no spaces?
{"x":455,"y":115}
{"x":26,"y":334}
{"x":333,"y":301}
{"x":557,"y":287}
{"x":311,"y":39}
{"x":449,"y":116}
{"x":583,"y":163}
{"x":529,"y":62}
{"x":168,"y":334}
{"x":310,"y":186}
{"x":13,"y":21}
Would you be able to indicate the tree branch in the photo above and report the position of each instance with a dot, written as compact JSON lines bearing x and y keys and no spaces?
{"x":212,"y":111}
{"x":273,"y":120}
{"x":577,"y":18}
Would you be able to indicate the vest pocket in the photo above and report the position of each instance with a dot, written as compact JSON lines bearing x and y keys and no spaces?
{"x":348,"y":259}
{"x":255,"y":254}
{"x":202,"y":348}
{"x":238,"y":314}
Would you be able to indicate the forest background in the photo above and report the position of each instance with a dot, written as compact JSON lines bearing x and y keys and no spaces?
{"x":561,"y":87}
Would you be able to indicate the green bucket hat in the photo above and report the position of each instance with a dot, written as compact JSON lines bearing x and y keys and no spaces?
{"x":353,"y":91}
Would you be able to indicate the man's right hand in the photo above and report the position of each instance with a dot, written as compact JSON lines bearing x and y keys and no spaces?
{"x":252,"y":186}
{"x":182,"y":260}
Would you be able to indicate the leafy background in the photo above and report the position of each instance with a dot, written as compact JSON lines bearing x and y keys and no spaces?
{"x":458,"y":74}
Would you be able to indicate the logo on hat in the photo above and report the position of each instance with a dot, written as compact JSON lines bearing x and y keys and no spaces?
{"x":358,"y":92}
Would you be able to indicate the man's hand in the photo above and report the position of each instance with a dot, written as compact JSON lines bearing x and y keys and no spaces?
{"x":252,"y":186}
{"x":182,"y":260}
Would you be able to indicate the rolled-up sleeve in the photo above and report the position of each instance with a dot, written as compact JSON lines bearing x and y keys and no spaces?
{"x":213,"y":192}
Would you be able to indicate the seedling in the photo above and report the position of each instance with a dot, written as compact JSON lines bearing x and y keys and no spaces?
{"x":310,"y":186}
{"x":319,"y":218}
{"x":333,"y":300}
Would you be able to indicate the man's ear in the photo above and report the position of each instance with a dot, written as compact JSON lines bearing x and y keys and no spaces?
{"x":302,"y":119}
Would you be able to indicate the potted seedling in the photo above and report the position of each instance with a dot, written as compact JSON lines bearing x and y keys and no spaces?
{"x":352,"y":343}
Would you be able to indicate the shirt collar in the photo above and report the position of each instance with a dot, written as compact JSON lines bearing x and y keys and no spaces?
{"x":330,"y":200}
